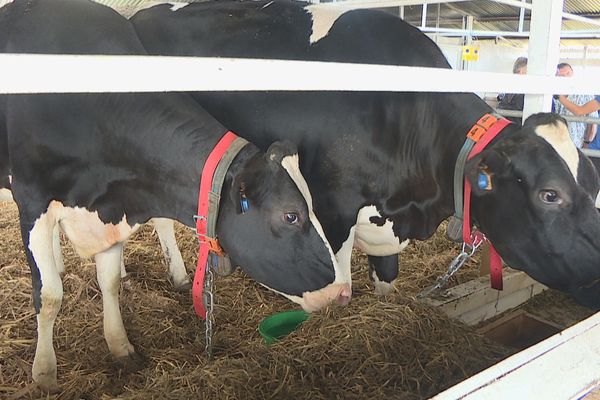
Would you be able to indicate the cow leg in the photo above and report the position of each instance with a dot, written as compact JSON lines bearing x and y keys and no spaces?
{"x":382,"y":272}
{"x":166,"y":235}
{"x":123,"y":270}
{"x":47,"y":293}
{"x":56,"y":249}
{"x":125,"y":283}
{"x":108,"y":269}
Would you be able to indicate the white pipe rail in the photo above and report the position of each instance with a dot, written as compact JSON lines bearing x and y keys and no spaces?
{"x":40,"y":73}
{"x":573,"y":118}
{"x":572,"y":34}
{"x":565,"y":366}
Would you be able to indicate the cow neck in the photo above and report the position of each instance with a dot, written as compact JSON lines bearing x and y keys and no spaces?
{"x":211,"y":183}
{"x":478,"y":137}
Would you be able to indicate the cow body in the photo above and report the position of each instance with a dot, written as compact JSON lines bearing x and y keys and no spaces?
{"x":385,"y":161}
{"x":99,"y":165}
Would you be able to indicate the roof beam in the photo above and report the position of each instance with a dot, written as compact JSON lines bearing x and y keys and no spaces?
{"x":574,"y":17}
{"x":354,"y":4}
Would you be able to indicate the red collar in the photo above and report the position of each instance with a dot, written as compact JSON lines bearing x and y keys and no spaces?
{"x":482,"y":133}
{"x":204,"y":227}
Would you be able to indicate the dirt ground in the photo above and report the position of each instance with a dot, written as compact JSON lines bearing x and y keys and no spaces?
{"x":391,"y":347}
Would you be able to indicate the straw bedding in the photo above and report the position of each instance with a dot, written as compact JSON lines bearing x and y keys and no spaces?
{"x":392,"y":347}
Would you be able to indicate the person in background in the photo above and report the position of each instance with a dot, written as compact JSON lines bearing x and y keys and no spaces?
{"x":585,"y":109}
{"x":514,"y":101}
{"x":580,"y":132}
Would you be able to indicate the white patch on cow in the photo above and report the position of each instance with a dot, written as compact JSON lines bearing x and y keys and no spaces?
{"x":56,"y":250}
{"x":558,"y":137}
{"x":598,"y":201}
{"x":5,"y":2}
{"x":323,"y":17}
{"x":267,"y":5}
{"x":290,"y":164}
{"x":381,"y":288}
{"x":344,"y":254}
{"x":177,"y":6}
{"x":6,"y":195}
{"x":129,"y":11}
{"x":373,"y":239}
{"x":108,"y":271}
{"x":88,"y":234}
{"x":165,"y":228}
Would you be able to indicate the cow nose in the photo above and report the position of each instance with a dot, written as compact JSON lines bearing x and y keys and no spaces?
{"x":344,"y":295}
{"x":339,"y":293}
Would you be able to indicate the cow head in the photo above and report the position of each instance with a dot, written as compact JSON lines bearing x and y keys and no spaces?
{"x":538,"y":209}
{"x":267,"y":226}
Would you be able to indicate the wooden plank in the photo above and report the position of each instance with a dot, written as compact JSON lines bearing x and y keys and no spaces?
{"x":475,"y":301}
{"x":563,"y":367}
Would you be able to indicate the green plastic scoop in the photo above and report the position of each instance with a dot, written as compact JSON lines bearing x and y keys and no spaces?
{"x":278,"y":325}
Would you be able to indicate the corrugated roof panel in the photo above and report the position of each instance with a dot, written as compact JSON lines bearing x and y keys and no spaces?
{"x":586,"y":7}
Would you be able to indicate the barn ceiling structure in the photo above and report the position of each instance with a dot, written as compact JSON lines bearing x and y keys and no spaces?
{"x":491,"y":18}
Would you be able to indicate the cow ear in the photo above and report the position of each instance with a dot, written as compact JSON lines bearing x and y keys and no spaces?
{"x":279,"y":150}
{"x":484,"y":169}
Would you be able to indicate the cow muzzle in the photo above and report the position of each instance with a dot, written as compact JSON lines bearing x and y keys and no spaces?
{"x":338,"y":293}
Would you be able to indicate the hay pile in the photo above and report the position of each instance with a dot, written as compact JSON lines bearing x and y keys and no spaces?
{"x":375,"y":348}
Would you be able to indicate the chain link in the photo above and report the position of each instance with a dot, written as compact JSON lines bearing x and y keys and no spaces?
{"x":465,"y":253}
{"x":209,"y":304}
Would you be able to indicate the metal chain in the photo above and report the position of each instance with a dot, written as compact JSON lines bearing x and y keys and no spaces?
{"x":209,"y":304}
{"x":465,"y":253}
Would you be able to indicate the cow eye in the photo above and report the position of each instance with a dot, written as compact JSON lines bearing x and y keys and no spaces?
{"x":550,"y":197}
{"x":290,"y":218}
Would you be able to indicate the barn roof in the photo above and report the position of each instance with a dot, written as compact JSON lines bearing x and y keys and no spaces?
{"x":494,"y":16}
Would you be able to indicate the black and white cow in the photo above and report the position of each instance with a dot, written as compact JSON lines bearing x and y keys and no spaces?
{"x":165,"y":228}
{"x":380,"y":165}
{"x":99,"y":165}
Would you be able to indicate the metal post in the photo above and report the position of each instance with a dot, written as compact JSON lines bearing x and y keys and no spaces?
{"x":521,"y":17}
{"x":544,"y":49}
{"x":468,"y":39}
{"x":401,"y":12}
{"x":437,"y":22}
{"x":424,"y":16}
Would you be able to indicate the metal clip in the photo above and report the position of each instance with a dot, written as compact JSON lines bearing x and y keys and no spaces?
{"x":466,"y":252}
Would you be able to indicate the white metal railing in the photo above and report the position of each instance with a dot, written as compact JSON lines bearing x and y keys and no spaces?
{"x":573,"y":118}
{"x":41,"y":73}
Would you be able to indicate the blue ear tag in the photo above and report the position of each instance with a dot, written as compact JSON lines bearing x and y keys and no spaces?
{"x":484,"y":181}
{"x":244,"y":204}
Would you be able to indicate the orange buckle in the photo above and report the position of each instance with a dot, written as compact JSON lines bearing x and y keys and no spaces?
{"x":487,"y":121}
{"x":481,"y":126}
{"x":214,"y":246}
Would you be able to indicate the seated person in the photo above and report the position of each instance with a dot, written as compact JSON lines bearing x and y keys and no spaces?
{"x":514,"y":101}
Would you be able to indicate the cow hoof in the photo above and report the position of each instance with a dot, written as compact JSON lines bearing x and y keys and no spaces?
{"x":131,"y":363}
{"x":383,"y":288}
{"x":47,"y":383}
{"x":184,"y":286}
